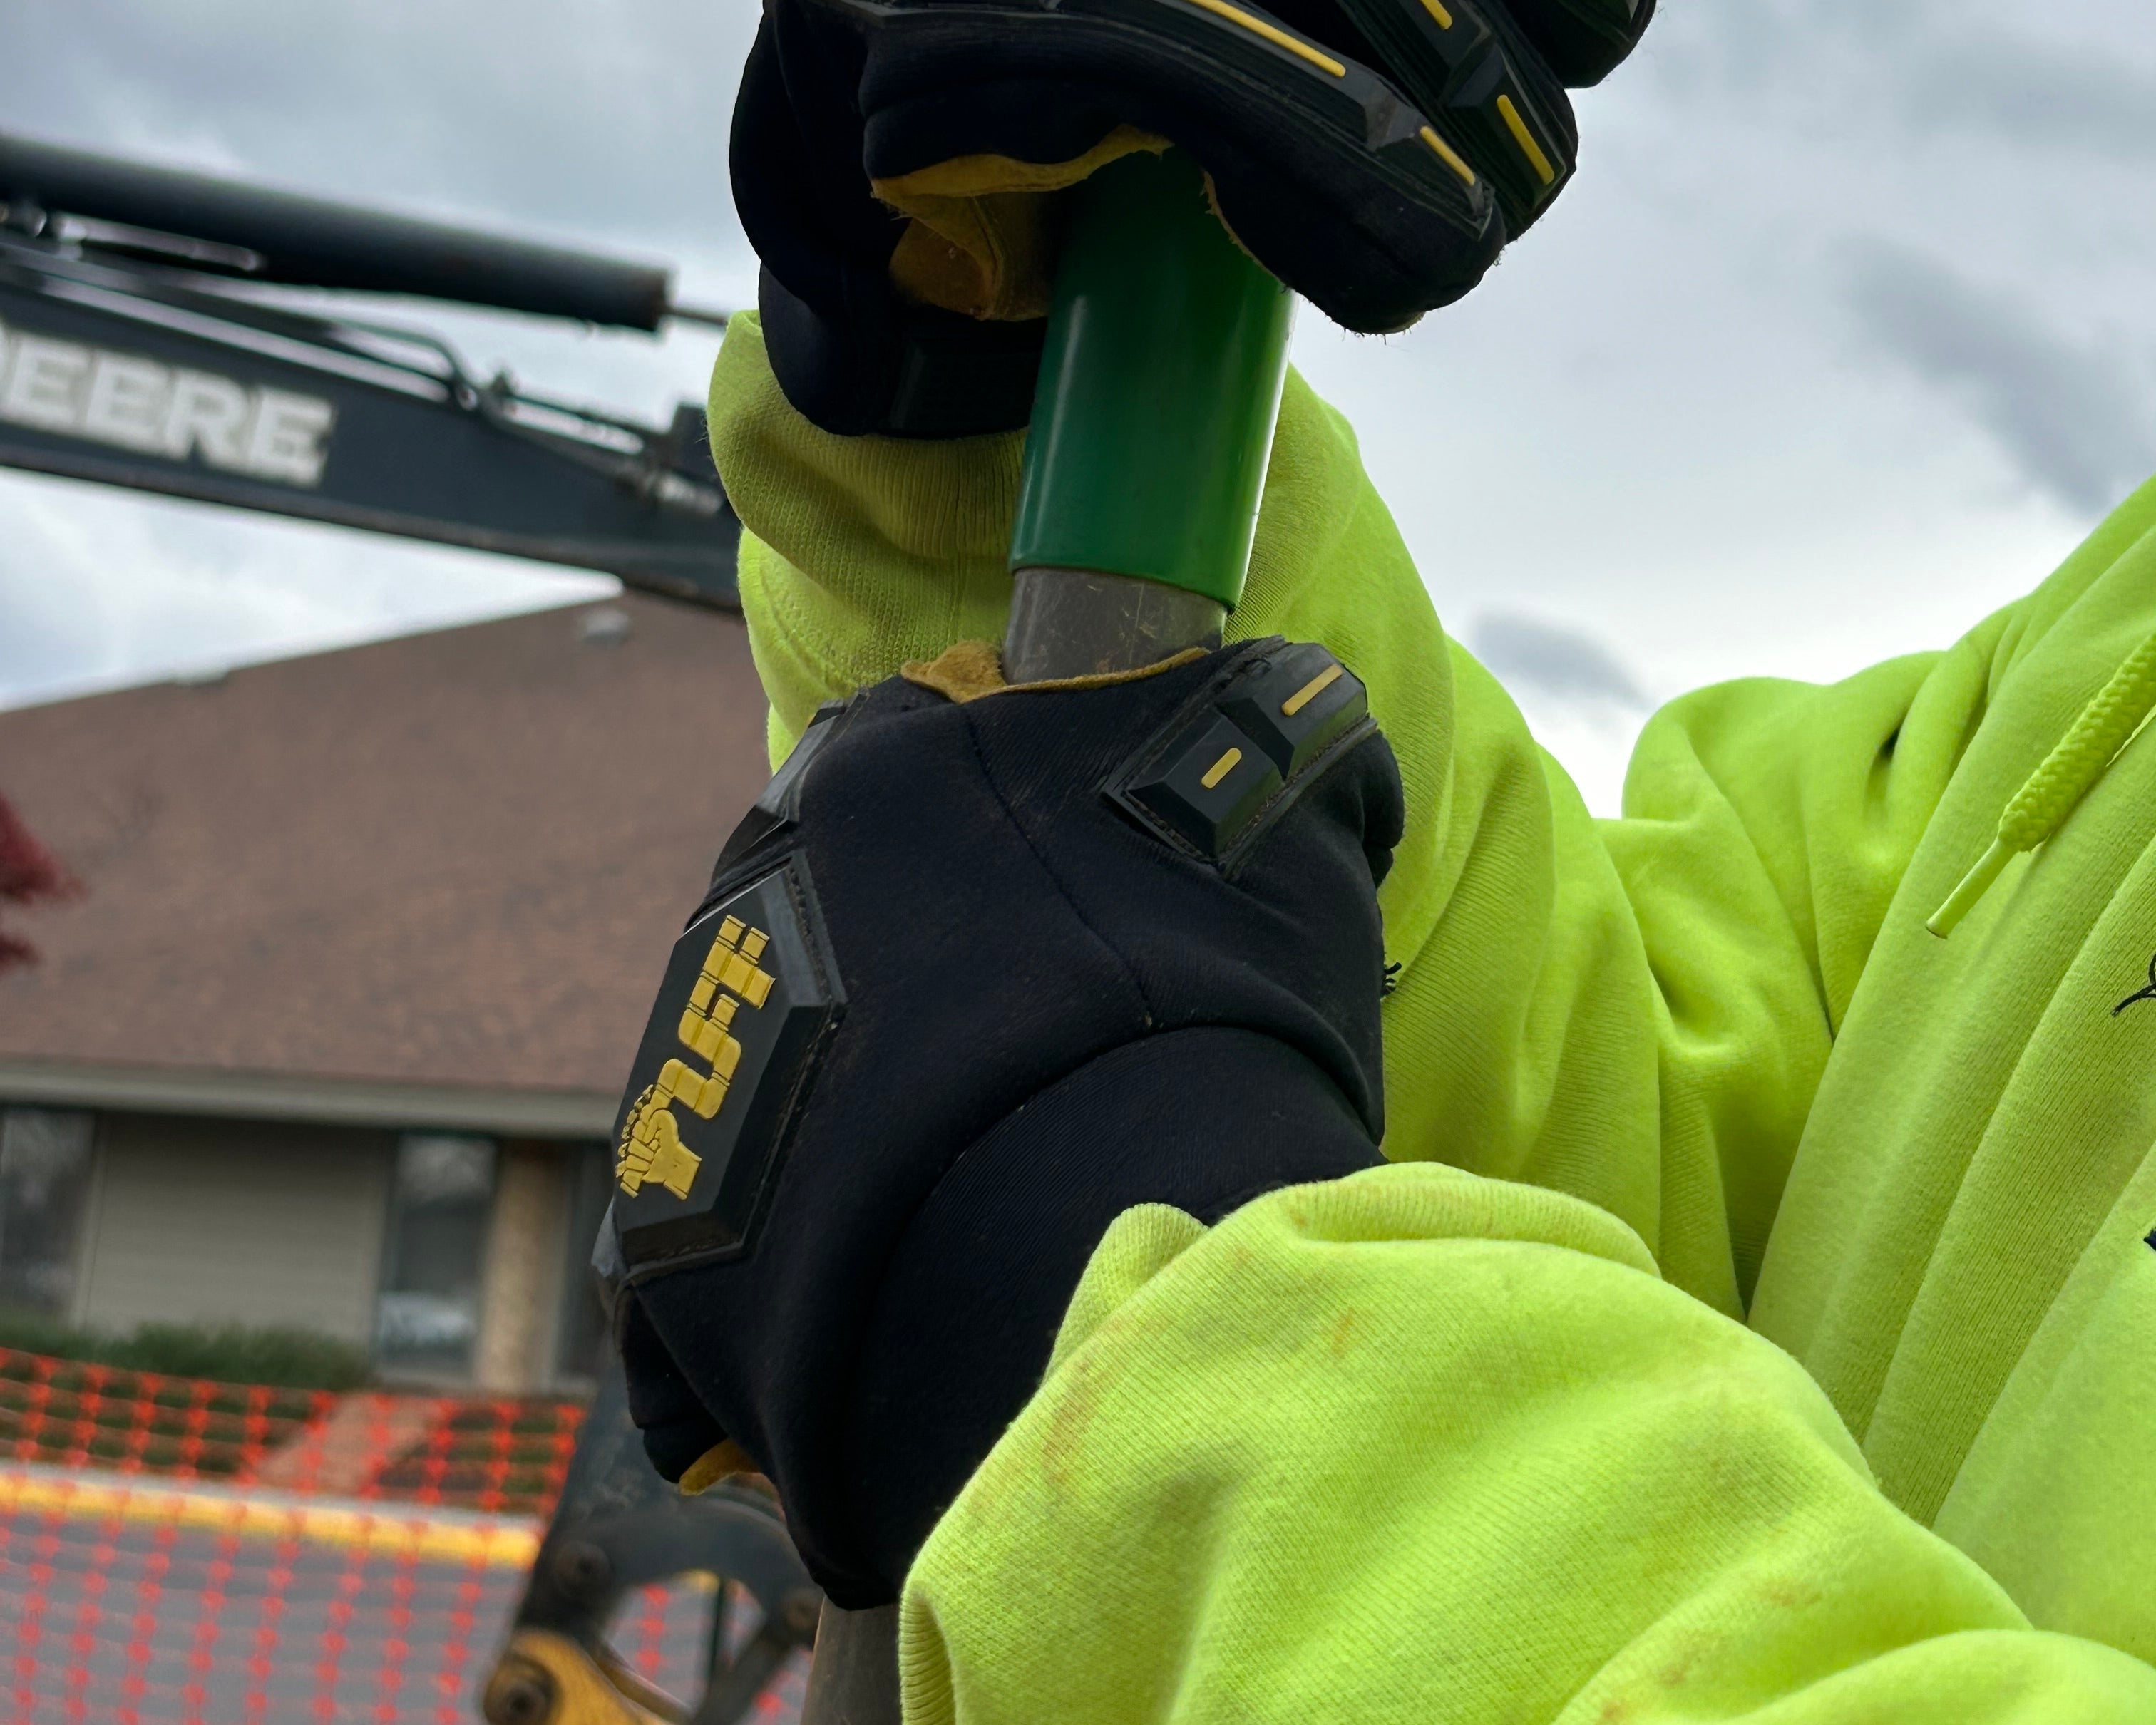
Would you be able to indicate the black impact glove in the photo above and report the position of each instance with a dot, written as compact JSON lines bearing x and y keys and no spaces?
{"x":1374,"y":155}
{"x":973,"y":978}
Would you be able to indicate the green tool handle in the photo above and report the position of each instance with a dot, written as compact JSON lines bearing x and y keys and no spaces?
{"x":1152,"y":425}
{"x":1153,"y":417}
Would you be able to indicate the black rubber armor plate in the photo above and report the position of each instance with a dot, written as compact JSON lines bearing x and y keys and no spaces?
{"x":1233,"y":759}
{"x":751,"y":995}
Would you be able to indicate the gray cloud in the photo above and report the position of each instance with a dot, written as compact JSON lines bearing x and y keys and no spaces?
{"x":1531,"y":655}
{"x":2038,"y":94}
{"x":2070,"y":414}
{"x":590,"y":122}
{"x":48,"y":629}
{"x":135,"y":588}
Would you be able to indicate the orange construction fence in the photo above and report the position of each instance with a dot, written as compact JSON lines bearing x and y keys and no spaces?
{"x":180,"y":1551}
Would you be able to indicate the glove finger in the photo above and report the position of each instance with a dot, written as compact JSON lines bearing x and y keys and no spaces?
{"x":1583,"y":39}
{"x":824,"y":241}
{"x":1486,"y":88}
{"x":1334,"y":183}
{"x":795,"y":156}
{"x":677,"y":1429}
{"x":848,"y":353}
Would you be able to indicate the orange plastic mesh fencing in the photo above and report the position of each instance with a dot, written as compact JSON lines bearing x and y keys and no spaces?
{"x":179,"y":1552}
{"x":504,"y":1455}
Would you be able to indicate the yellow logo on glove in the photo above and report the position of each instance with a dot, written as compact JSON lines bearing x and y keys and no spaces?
{"x":651,"y":1148}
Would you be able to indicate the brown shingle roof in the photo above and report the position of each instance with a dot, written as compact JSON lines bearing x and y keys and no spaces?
{"x":455,"y":858}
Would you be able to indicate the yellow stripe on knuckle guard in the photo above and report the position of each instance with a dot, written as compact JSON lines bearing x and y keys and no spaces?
{"x":1221,"y":769}
{"x":1310,"y":691}
{"x":1273,"y":34}
{"x":1447,"y":155}
{"x":1526,"y":140}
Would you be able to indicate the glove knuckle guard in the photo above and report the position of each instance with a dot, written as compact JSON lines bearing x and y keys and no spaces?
{"x":1583,"y":40}
{"x":1318,"y":164}
{"x":1375,"y":155}
{"x":970,"y":980}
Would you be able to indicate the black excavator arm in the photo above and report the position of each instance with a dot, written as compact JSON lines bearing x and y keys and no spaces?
{"x":138,"y":347}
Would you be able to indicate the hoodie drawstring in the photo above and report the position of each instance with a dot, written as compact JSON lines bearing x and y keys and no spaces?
{"x":2056,"y":788}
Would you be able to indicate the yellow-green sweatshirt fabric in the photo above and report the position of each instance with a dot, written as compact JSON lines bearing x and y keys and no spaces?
{"x":1756,"y":1321}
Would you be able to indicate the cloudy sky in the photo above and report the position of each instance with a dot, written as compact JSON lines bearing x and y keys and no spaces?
{"x":1840,"y":338}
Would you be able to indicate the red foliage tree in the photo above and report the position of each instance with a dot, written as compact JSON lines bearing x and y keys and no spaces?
{"x":29,"y":874}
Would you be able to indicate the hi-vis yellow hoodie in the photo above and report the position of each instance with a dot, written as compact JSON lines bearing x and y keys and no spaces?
{"x":1758,"y":1320}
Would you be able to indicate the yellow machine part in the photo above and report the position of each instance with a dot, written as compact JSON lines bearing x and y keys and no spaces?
{"x":547,"y":1679}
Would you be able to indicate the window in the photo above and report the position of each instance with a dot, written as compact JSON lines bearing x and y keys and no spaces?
{"x":44,"y":1178}
{"x":427,"y":1317}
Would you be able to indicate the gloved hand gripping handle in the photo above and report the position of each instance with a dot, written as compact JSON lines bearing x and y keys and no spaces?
{"x":1152,"y":422}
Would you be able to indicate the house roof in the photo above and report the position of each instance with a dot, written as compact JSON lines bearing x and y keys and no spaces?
{"x":433,"y":879}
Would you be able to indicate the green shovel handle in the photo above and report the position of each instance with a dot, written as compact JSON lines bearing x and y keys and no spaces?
{"x":1159,"y":386}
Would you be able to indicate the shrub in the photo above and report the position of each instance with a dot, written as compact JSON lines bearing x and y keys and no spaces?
{"x":286,"y":1358}
{"x":283,"y":1358}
